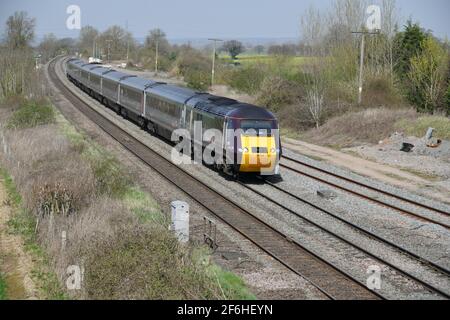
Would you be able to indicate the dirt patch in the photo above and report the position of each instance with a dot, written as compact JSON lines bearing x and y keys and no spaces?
{"x":15,"y":264}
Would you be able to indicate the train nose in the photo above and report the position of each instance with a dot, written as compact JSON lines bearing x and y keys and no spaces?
{"x":258,"y":154}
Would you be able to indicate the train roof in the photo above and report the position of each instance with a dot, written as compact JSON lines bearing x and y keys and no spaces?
{"x":138,"y":83}
{"x":227,"y":107}
{"x":90,"y":66}
{"x":178,"y":94}
{"x":100,"y":70}
{"x":220,"y":106}
{"x":115,"y":75}
{"x":250,"y":111}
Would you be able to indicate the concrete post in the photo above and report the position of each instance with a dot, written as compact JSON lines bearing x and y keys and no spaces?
{"x":180,"y":220}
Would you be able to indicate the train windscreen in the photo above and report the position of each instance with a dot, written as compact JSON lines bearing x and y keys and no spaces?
{"x":257,"y":127}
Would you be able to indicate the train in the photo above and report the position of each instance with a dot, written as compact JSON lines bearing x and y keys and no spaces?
{"x":249,"y":140}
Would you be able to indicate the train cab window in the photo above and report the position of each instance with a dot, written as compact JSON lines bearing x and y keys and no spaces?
{"x":257,"y":127}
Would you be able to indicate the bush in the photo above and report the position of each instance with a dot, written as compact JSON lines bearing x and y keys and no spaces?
{"x":32,"y":114}
{"x":139,"y":254}
{"x":380,"y":92}
{"x":110,"y":179}
{"x":247,"y":79}
{"x":195,"y":68}
{"x":197,"y":79}
{"x":277,"y":92}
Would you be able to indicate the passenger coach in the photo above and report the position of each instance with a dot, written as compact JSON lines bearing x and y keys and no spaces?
{"x":249,"y":133}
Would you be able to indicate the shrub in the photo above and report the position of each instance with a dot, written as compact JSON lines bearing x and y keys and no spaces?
{"x":140,"y":254}
{"x":380,"y":92}
{"x":33,"y":113}
{"x":277,"y":92}
{"x":247,"y":79}
{"x":195,"y":68}
{"x":198,"y":79}
{"x":110,"y":179}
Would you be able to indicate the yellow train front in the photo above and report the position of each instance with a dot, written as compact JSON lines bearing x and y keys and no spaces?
{"x":253,"y":136}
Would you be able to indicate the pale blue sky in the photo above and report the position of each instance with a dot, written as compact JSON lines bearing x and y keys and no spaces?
{"x":204,"y":18}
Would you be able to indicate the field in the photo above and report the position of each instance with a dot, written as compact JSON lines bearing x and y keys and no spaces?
{"x":251,"y":59}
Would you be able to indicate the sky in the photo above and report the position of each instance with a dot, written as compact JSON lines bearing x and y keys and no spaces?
{"x":193,"y":19}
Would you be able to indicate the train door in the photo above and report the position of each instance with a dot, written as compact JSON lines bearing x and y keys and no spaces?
{"x":183,"y":117}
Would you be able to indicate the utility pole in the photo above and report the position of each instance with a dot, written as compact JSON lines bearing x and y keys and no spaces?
{"x":214,"y":59}
{"x":93,"y":48}
{"x":109,"y":48}
{"x":156,"y":56}
{"x":128,"y":42}
{"x":361,"y":61}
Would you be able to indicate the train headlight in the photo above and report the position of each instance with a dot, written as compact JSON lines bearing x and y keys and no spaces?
{"x":273,"y":150}
{"x":245,"y":150}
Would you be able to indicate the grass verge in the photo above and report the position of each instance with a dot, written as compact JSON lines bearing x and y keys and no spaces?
{"x":2,"y":288}
{"x":116,"y":232}
{"x":23,"y":224}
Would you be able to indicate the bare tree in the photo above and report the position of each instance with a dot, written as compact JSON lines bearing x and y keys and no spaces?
{"x":115,"y":39}
{"x":233,"y":47}
{"x":390,"y":14}
{"x":157,"y":36}
{"x":87,"y":38}
{"x":313,"y":28}
{"x":19,"y":30}
{"x":48,"y":47}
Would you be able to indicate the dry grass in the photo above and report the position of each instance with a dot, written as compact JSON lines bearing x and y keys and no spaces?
{"x":113,"y":230}
{"x":367,"y":126}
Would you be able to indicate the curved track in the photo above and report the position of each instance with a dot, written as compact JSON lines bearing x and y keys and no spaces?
{"x":333,"y":283}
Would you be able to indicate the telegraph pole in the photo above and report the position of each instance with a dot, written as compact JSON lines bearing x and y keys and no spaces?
{"x":156,"y":56}
{"x":214,"y":59}
{"x":361,"y":61}
{"x":128,"y":42}
{"x":109,"y":48}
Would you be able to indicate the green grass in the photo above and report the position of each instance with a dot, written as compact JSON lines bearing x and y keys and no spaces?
{"x":418,"y":128}
{"x":232,"y":286}
{"x":143,"y":206}
{"x":23,"y":223}
{"x":246,"y":59}
{"x":2,"y":288}
{"x":31,"y":114}
{"x":14,"y":197}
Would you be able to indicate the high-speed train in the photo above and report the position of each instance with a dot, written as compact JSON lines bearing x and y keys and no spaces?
{"x":250,"y":141}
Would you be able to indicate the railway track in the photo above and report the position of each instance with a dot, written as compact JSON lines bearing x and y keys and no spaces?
{"x":443,"y":271}
{"x":332,"y":282}
{"x":373,"y":194}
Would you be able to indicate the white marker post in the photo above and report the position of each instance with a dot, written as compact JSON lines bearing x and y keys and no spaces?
{"x":180,"y":220}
